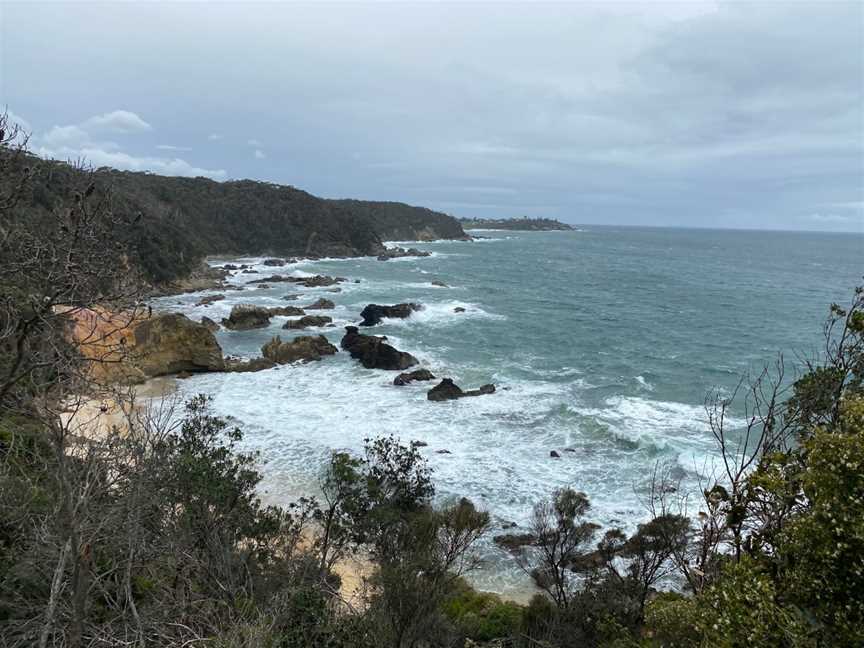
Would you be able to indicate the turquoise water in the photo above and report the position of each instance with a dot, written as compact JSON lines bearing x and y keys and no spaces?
{"x":602,"y":341}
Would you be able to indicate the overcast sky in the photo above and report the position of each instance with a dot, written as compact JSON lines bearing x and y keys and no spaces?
{"x":695,"y":114}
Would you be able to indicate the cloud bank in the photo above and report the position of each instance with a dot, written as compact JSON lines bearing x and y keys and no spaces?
{"x":700,"y":114}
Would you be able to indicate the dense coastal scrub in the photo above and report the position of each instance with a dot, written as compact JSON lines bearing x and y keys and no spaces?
{"x":153,"y":533}
{"x":172,"y":223}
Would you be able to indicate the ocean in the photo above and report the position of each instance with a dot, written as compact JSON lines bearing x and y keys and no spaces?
{"x":602,"y":342}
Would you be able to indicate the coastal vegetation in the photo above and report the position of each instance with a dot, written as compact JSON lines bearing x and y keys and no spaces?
{"x":152,"y":532}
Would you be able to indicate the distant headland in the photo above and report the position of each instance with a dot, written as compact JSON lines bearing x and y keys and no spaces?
{"x":521,"y":224}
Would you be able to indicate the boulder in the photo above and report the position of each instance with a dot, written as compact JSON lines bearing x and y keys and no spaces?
{"x":334,"y":290}
{"x":209,"y":299}
{"x":301,"y":349}
{"x":247,"y":316}
{"x":171,"y":343}
{"x":448,"y":390}
{"x":398,"y":252}
{"x":554,"y":455}
{"x":306,"y":321}
{"x":273,"y":279}
{"x":263,"y":286}
{"x":321,"y":304}
{"x":230,"y":266}
{"x":440,"y":284}
{"x":409,"y":377}
{"x":243,"y":366}
{"x":374,"y":353}
{"x":514,"y":541}
{"x":291,"y":297}
{"x":210,"y":324}
{"x":274,"y":262}
{"x":374,"y":313}
{"x":249,"y":271}
{"x":285,"y":311}
{"x":320,"y":281}
{"x":458,"y":309}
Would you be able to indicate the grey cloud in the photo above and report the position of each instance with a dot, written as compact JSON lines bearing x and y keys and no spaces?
{"x":696,"y":114}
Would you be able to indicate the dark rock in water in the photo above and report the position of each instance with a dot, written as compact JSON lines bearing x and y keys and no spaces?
{"x":484,"y":389}
{"x":334,"y":290}
{"x":448,"y":390}
{"x":409,"y":377}
{"x":172,"y":343}
{"x":569,"y":449}
{"x":445,"y":390}
{"x":209,"y":299}
{"x":458,"y":309}
{"x":285,"y":311}
{"x":273,"y":279}
{"x":373,"y":313}
{"x":244,"y":366}
{"x":263,"y":286}
{"x":514,"y":541}
{"x":398,"y":252}
{"x":210,"y":324}
{"x":374,"y":353}
{"x":419,"y":444}
{"x":554,"y":455}
{"x":291,"y":297}
{"x":321,"y":304}
{"x":440,"y":284}
{"x":443,"y":452}
{"x":249,"y":271}
{"x":274,"y":262}
{"x":306,"y":321}
{"x":508,"y":525}
{"x":247,"y":316}
{"x":231,"y":266}
{"x":304,"y":349}
{"x":320,"y":281}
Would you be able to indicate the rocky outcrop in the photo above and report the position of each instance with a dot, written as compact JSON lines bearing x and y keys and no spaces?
{"x":374,"y":313}
{"x":409,"y":377}
{"x":398,"y":253}
{"x":172,"y":343}
{"x":321,"y":304}
{"x":317,"y":281}
{"x":244,"y":317}
{"x":209,"y":299}
{"x":273,"y":279}
{"x":277,"y":262}
{"x":448,"y":390}
{"x":210,"y":324}
{"x":514,"y":541}
{"x":307,"y":321}
{"x":285,"y":311}
{"x":300,"y":349}
{"x":373,"y":352}
{"x":237,"y":365}
{"x":247,"y":316}
{"x":320,"y":281}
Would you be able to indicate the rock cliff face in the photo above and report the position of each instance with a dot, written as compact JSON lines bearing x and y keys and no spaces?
{"x":179,"y":221}
{"x":172,"y":343}
{"x":129,"y":347}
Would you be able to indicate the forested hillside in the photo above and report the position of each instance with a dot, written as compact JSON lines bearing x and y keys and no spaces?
{"x":175,"y":222}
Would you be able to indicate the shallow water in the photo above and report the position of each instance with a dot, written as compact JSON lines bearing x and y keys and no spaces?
{"x":602,"y":341}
